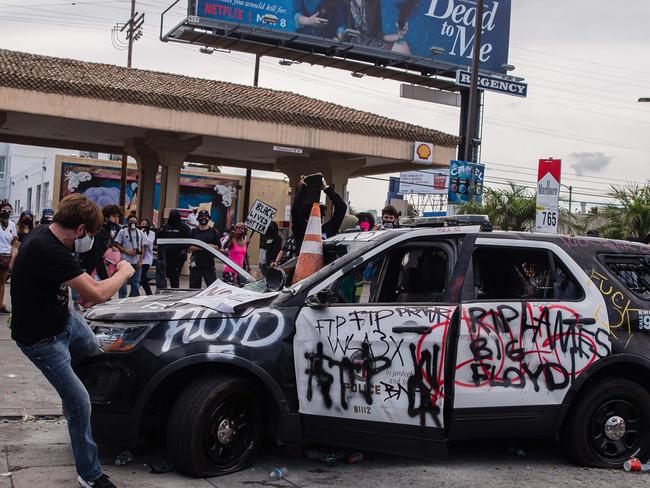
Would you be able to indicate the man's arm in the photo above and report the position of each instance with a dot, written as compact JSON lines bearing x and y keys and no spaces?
{"x":101,"y":291}
{"x":331,"y":228}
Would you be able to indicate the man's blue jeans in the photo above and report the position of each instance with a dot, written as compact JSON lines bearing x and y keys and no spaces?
{"x":134,"y":281}
{"x":55,"y":357}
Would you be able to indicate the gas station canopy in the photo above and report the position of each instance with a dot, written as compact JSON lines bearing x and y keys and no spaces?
{"x":165,"y":119}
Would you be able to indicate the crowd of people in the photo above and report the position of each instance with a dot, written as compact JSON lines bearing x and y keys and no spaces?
{"x":91,"y":254}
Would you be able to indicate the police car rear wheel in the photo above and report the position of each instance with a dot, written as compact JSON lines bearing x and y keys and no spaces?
{"x":609,"y":423}
{"x":215,"y":427}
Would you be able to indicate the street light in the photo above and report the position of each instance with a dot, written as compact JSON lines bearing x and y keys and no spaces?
{"x":644,"y":99}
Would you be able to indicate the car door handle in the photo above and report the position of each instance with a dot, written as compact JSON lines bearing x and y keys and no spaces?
{"x":412,"y":330}
{"x":580,"y":321}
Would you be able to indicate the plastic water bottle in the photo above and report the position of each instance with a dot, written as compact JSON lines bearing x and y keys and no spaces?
{"x":123,"y":458}
{"x":278,"y":473}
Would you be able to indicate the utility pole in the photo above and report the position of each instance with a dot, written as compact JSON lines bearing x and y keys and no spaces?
{"x":249,"y":172}
{"x":132,"y":35}
{"x":473,"y":89}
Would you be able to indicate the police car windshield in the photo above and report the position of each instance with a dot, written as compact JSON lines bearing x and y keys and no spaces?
{"x":334,"y":249}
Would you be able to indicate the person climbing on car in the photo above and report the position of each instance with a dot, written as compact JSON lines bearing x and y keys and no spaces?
{"x":237,"y":250}
{"x":130,"y":242}
{"x":202,"y":261}
{"x":49,"y":334}
{"x":389,"y":218}
{"x":301,"y":209}
{"x":173,"y":257}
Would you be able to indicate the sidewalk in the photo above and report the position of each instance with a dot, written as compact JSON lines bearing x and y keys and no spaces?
{"x":23,"y":389}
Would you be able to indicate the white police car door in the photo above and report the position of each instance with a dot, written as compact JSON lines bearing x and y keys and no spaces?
{"x":376,"y":351}
{"x":535,"y":322}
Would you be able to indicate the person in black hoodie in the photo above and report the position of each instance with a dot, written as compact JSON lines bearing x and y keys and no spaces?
{"x":301,"y":209}
{"x":270,"y":246}
{"x":173,"y":257}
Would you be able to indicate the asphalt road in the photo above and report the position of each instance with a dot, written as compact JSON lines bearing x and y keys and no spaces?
{"x":37,"y":453}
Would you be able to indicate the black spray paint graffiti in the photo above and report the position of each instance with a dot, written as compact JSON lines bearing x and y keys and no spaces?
{"x":362,"y":346}
{"x":366,"y":366}
{"x":509,"y":349}
{"x":260,"y":329}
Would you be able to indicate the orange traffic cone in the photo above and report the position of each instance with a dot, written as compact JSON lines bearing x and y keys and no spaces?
{"x":310,"y":258}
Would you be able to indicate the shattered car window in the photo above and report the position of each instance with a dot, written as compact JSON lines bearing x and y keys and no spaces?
{"x":333,"y":250}
{"x":632,"y":271}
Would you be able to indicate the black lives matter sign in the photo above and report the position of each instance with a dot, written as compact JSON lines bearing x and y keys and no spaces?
{"x":260,"y":217}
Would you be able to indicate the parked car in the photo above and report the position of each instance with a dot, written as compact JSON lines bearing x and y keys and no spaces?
{"x":406,"y":340}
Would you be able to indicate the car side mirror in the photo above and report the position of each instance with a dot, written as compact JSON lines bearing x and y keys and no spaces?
{"x":276,"y":279}
{"x":324,"y":298}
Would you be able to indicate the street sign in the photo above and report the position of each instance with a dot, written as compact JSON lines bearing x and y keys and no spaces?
{"x":465,"y":182}
{"x":424,"y":94}
{"x":494,"y":84}
{"x":260,"y":217}
{"x":548,"y":195}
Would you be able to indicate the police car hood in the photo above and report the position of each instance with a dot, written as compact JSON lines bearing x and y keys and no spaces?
{"x":212,"y":302}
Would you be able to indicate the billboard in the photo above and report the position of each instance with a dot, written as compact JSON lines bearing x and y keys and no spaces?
{"x":101,"y":183}
{"x":426,"y":181}
{"x":425,"y":30}
{"x":466,"y":182}
{"x":548,"y":195}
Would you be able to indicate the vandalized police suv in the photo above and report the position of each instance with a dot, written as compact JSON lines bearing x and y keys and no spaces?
{"x":407,"y":339}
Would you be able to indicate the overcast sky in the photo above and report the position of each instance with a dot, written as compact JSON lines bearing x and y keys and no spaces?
{"x":586,"y":61}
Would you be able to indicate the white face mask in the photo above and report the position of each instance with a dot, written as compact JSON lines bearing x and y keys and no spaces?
{"x":83,"y":244}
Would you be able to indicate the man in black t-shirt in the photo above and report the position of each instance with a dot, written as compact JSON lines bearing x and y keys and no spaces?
{"x":52,"y":336}
{"x":202,"y":261}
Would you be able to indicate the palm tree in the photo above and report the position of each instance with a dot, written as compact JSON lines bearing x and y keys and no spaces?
{"x":510,"y":208}
{"x":630,"y":217}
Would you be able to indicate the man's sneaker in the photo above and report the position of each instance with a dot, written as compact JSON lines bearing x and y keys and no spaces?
{"x":102,"y":481}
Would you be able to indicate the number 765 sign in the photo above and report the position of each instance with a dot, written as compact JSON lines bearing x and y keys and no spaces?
{"x":548,"y":195}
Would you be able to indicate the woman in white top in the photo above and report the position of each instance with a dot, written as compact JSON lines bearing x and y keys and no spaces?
{"x":147,"y":259}
{"x":8,"y":236}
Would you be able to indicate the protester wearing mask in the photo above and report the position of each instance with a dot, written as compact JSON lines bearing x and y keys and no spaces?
{"x":270,"y":247}
{"x":8,"y":236}
{"x":130,"y":242}
{"x":173,"y":257}
{"x":25,"y":225}
{"x":47,"y":216}
{"x":237,"y":250}
{"x":202,"y":262}
{"x":46,"y":331}
{"x":366,"y":222}
{"x":147,"y":259}
{"x":389,"y":218}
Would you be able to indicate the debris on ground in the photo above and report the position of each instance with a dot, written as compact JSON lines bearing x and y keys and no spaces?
{"x":277,"y":474}
{"x":333,"y":458}
{"x":123,"y":458}
{"x":633,"y":464}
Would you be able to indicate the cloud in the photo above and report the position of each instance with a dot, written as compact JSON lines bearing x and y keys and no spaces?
{"x":589,"y":162}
